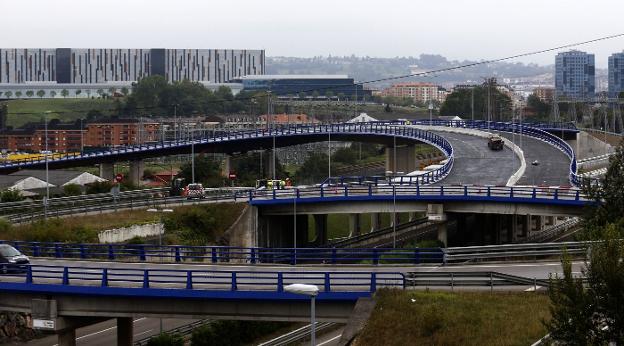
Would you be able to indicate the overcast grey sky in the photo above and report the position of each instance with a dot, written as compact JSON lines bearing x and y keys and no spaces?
{"x":457,"y":29}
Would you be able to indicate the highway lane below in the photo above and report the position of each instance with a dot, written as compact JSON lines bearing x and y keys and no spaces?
{"x":105,"y":333}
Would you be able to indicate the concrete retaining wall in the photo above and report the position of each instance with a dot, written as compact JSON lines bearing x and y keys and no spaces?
{"x":118,"y":235}
{"x":243,"y":231}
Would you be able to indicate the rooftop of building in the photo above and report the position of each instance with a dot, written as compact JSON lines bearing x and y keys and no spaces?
{"x":293,"y":76}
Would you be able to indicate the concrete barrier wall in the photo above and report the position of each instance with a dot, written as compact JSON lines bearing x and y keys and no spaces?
{"x":118,"y":235}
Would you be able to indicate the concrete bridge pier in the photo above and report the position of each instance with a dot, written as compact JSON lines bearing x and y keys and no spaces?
{"x":443,"y":233}
{"x":107,"y":171}
{"x":320,"y":228}
{"x":124,"y":331}
{"x":405,"y":159}
{"x":67,"y":337}
{"x":354,"y":225}
{"x":135,"y":174}
{"x":375,"y":222}
{"x":226,"y":166}
{"x":278,"y":231}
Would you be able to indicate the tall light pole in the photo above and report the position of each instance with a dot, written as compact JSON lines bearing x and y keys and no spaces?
{"x":161,"y":211}
{"x":310,"y":291}
{"x":47,"y":176}
{"x":394,"y":194}
{"x":430,"y":113}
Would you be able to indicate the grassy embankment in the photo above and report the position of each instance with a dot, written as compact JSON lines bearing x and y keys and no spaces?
{"x":31,"y":110}
{"x":466,"y":318}
{"x":187,"y":224}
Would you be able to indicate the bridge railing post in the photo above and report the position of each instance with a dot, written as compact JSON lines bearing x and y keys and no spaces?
{"x":29,"y":274}
{"x":178,"y":257}
{"x":111,"y":252}
{"x":142,"y":253}
{"x":189,"y":280}
{"x":214,"y":254}
{"x":280,"y":282}
{"x":373,"y":282}
{"x":65,"y":276}
{"x":416,"y":256}
{"x":234,"y":286}
{"x":327,"y":282}
{"x":375,"y":256}
{"x":105,"y":277}
{"x":146,"y":278}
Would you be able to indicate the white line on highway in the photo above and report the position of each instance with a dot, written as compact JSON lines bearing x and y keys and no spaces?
{"x":105,"y":330}
{"x":328,"y":341}
{"x":145,"y":332}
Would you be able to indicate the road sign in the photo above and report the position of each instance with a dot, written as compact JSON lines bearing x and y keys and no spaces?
{"x":119,"y":177}
{"x":232,"y":175}
{"x":44,"y":324}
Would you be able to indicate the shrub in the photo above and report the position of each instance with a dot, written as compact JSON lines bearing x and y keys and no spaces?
{"x":166,"y":340}
{"x":99,"y":187}
{"x":72,"y":190}
{"x":233,"y":332}
{"x":11,"y":196}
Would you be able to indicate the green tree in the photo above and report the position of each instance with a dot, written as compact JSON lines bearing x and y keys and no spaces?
{"x":100,"y":92}
{"x":313,"y":170}
{"x":78,"y":92}
{"x":11,"y":195}
{"x":53,"y":94}
{"x":329,"y":94}
{"x":18,"y":94}
{"x":64,"y":93}
{"x":166,"y":340}
{"x":125,"y":91}
{"x":541,"y":108}
{"x":30,"y":93}
{"x":207,"y":172}
{"x":8,"y":94}
{"x":459,"y":103}
{"x":254,"y":166}
{"x":72,"y":190}
{"x":315,"y":94}
{"x":99,"y":187}
{"x":41,"y":93}
{"x":346,"y":156}
{"x":593,"y":313}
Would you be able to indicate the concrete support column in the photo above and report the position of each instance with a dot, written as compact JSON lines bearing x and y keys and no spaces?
{"x":513,"y":229}
{"x":67,"y":337}
{"x":107,"y":171}
{"x":539,"y":223}
{"x":124,"y":331}
{"x":526,"y":225}
{"x":443,"y":233}
{"x":268,"y":163}
{"x":405,"y":156}
{"x":137,"y":168}
{"x":354,"y":225}
{"x":320,"y":228}
{"x":375,"y":222}
{"x":226,"y":167}
{"x":550,"y":220}
{"x":411,"y":216}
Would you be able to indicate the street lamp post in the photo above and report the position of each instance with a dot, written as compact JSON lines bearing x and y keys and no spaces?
{"x":430,"y":113}
{"x":47,"y":177}
{"x":161,"y":211}
{"x":310,"y":291}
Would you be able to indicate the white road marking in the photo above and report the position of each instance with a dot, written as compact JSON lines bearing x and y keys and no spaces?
{"x":328,"y":341}
{"x":145,"y":332}
{"x":105,"y":330}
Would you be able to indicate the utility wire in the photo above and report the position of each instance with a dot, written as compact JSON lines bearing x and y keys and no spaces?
{"x":424,"y":73}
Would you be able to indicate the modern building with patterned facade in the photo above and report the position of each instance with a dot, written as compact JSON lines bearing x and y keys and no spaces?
{"x":616,"y":74}
{"x":575,"y":75}
{"x":106,"y":65}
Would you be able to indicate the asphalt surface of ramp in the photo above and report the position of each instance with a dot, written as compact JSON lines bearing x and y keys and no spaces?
{"x":554,"y":165}
{"x":476,"y":164}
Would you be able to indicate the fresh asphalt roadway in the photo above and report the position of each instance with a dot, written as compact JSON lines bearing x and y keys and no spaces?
{"x":476,"y":164}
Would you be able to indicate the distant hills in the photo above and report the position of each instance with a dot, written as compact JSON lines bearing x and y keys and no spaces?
{"x":367,"y":68}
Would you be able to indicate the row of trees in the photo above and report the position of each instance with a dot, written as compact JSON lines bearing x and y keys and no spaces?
{"x":41,"y":93}
{"x":462,"y":102}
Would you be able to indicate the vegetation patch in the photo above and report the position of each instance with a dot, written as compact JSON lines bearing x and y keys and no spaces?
{"x":466,"y":318}
{"x":31,"y":110}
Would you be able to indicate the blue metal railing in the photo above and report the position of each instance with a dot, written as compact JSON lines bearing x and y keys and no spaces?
{"x":207,"y":280}
{"x":513,"y":194}
{"x":227,"y":254}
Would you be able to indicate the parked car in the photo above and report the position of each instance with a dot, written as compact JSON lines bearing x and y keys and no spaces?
{"x":11,"y":260}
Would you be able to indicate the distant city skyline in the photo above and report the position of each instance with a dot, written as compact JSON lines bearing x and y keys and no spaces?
{"x":458,"y":30}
